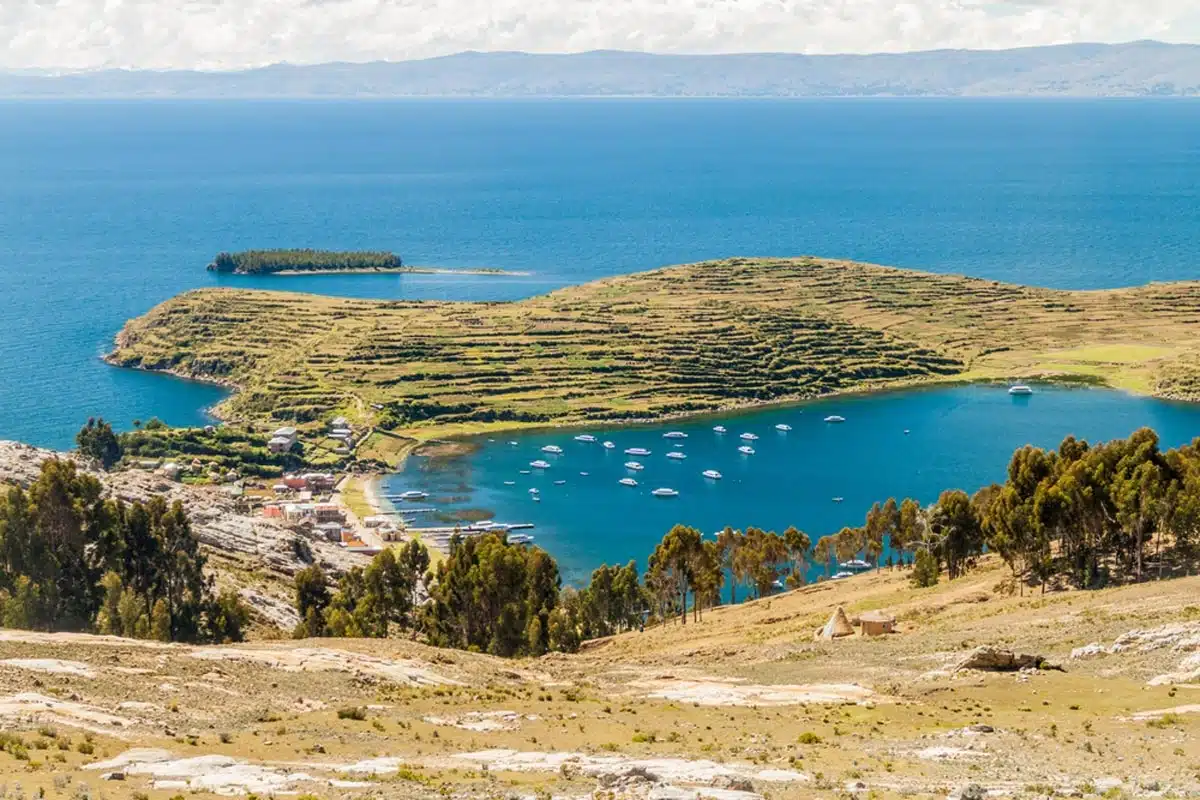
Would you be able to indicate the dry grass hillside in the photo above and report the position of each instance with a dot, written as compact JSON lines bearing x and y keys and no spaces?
{"x":687,"y":339}
{"x":741,"y":706}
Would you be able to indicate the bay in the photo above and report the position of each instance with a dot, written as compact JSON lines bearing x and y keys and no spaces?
{"x":107,"y":208}
{"x":959,"y":437}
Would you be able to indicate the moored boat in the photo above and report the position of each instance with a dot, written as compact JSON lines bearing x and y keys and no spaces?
{"x":677,"y":456}
{"x":627,"y":482}
{"x":665,"y":493}
{"x":675,"y":435}
{"x":519,"y":538}
{"x":746,"y":450}
{"x":835,"y":418}
{"x":413,"y":494}
{"x":856,"y":565}
{"x":637,"y":451}
{"x":585,"y":437}
{"x":539,"y":464}
{"x":712,"y":474}
{"x":609,"y":445}
{"x":783,"y":427}
{"x":633,"y":465}
{"x":1020,"y":389}
{"x":552,"y":448}
{"x":719,"y":429}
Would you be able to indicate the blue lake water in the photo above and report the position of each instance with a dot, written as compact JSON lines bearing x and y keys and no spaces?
{"x":959,"y":437}
{"x":108,"y":208}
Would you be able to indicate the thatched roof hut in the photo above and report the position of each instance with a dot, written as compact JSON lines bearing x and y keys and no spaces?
{"x":837,"y":626}
{"x":877,"y":623}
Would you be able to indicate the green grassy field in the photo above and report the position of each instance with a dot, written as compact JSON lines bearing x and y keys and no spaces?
{"x":681,"y":340}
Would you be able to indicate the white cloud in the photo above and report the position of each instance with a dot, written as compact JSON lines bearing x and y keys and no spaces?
{"x":224,"y":34}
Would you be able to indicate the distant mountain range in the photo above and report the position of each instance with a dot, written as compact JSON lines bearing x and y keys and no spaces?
{"x":1084,"y":70}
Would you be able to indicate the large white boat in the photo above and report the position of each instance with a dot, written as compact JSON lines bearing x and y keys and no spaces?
{"x":665,"y":493}
{"x":519,"y":538}
{"x":712,"y":474}
{"x":633,"y":465}
{"x":627,"y":482}
{"x":1020,"y":389}
{"x":835,"y":418}
{"x":749,"y":437}
{"x":677,"y":456}
{"x":783,"y":427}
{"x":719,"y":429}
{"x":413,"y":495}
{"x":842,"y":575}
{"x":746,"y":450}
{"x":585,"y":437}
{"x":552,"y":448}
{"x":539,"y":464}
{"x":637,"y":451}
{"x":609,"y":446}
{"x":856,"y":565}
{"x":675,"y":435}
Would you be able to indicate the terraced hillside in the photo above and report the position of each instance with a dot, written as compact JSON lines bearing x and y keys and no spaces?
{"x":687,"y":339}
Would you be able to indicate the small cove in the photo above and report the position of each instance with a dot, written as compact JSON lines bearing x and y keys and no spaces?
{"x":958,"y":437}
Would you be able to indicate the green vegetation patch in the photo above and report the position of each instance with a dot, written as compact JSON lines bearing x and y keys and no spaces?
{"x":257,"y":262}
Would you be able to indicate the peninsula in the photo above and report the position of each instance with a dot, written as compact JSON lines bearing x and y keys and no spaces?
{"x":692,"y":339}
{"x":262,"y":262}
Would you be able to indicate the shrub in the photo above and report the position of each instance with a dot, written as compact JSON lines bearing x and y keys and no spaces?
{"x":357,"y":713}
{"x":809,"y":738}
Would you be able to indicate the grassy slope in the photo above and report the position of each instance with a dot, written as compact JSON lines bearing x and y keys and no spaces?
{"x":1068,"y":730}
{"x":688,"y":339}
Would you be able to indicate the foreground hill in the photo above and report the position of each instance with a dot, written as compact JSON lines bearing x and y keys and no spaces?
{"x":691,"y":339}
{"x":740,"y":706}
{"x":1134,"y":69}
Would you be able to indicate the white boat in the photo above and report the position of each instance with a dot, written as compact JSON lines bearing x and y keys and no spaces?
{"x":746,"y":450}
{"x":584,"y":474}
{"x":585,"y":437}
{"x":783,"y":427}
{"x":637,"y":451}
{"x":609,"y":446}
{"x":413,"y":494}
{"x":552,"y":448}
{"x":627,"y":482}
{"x":519,"y":538}
{"x":525,"y":472}
{"x":907,"y":431}
{"x":510,"y":483}
{"x":712,"y":474}
{"x":514,"y":444}
{"x":535,"y":491}
{"x":633,"y":465}
{"x":677,"y":456}
{"x":835,"y":418}
{"x":559,"y":483}
{"x":539,"y":464}
{"x":537,"y":498}
{"x":838,"y":499}
{"x":749,"y":437}
{"x":483,"y":525}
{"x":665,"y":493}
{"x":675,"y":435}
{"x":841,"y":575}
{"x":719,"y":429}
{"x":1020,"y":389}
{"x":856,"y":564}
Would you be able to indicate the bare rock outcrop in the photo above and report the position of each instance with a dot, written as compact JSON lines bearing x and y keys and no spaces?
{"x":994,"y":659}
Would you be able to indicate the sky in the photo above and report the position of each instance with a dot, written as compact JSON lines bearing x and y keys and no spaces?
{"x":234,"y":34}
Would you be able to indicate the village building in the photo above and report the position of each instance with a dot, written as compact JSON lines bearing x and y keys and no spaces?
{"x":877,"y":623}
{"x":282,"y":440}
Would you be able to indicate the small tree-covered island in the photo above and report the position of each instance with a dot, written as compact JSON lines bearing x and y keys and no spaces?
{"x":263,"y":262}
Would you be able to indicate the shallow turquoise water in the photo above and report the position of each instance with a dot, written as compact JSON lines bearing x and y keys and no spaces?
{"x":107,"y":208}
{"x":959,"y":437}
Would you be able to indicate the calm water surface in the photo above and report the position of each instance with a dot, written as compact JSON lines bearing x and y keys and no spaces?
{"x":959,"y":437}
{"x":108,"y":208}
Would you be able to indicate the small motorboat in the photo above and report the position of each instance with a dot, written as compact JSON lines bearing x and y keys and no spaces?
{"x":719,"y":429}
{"x":675,"y":435}
{"x":552,"y":448}
{"x":535,"y":491}
{"x":559,"y":483}
{"x":838,"y":499}
{"x":783,"y":427}
{"x":842,"y":575}
{"x":519,"y":538}
{"x":627,"y":482}
{"x":746,"y":450}
{"x":584,"y":474}
{"x":585,"y":437}
{"x":856,"y":565}
{"x":665,"y":493}
{"x":413,"y":495}
{"x":633,"y":465}
{"x":539,"y":464}
{"x":514,"y":444}
{"x":637,"y":451}
{"x":609,"y":446}
{"x":510,"y":483}
{"x":525,"y":472}
{"x":834,"y":418}
{"x":749,"y":437}
{"x":677,"y":456}
{"x":711,"y":474}
{"x":537,"y":498}
{"x":1020,"y":389}
{"x":907,"y":431}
